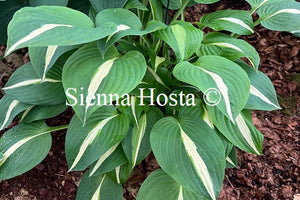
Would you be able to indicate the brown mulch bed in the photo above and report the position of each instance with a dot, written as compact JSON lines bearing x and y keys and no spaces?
{"x":274,"y":175}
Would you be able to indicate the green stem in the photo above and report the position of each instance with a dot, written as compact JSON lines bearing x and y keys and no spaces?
{"x":58,"y":128}
{"x":257,"y":22}
{"x":180,"y":11}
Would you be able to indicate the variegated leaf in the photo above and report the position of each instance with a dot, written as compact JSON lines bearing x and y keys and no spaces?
{"x":236,"y":21}
{"x":127,"y":24}
{"x":23,"y":147}
{"x":43,"y":58}
{"x":184,"y":150}
{"x":52,"y":25}
{"x":112,"y":159}
{"x":110,"y":77}
{"x":137,"y":141}
{"x":98,"y":137}
{"x":280,"y":16}
{"x":99,"y":187}
{"x":231,"y":48}
{"x":161,"y":186}
{"x":26,"y":86}
{"x":215,"y":72}
{"x":9,"y":109}
{"x":242,"y":133}
{"x":262,"y":92}
{"x":182,"y":37}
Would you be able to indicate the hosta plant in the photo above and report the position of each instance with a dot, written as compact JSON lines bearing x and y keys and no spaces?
{"x":138,"y":82}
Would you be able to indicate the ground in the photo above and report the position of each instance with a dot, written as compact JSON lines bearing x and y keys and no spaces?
{"x":274,"y":175}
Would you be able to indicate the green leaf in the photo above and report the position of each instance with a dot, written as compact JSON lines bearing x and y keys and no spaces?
{"x":255,"y":4}
{"x":135,"y":4}
{"x":236,"y":21}
{"x":184,"y":149}
{"x":99,"y":187}
{"x":9,"y":109}
{"x":182,"y":37}
{"x":35,"y":113}
{"x":137,"y":141}
{"x":206,"y":1}
{"x":34,"y":3}
{"x":101,"y":134}
{"x":26,"y":86}
{"x":127,"y":23}
{"x":161,"y":186}
{"x":52,"y":25}
{"x":23,"y":147}
{"x":242,"y":134}
{"x":262,"y":92}
{"x":7,"y":10}
{"x":220,"y":44}
{"x":100,"y":5}
{"x":109,"y":161}
{"x":175,"y":4}
{"x":112,"y":76}
{"x":43,"y":58}
{"x":231,"y":159}
{"x":214,"y":72}
{"x":121,"y":173}
{"x":156,"y":9}
{"x":280,"y":16}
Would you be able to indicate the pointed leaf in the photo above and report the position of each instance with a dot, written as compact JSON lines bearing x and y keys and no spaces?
{"x":23,"y":147}
{"x":216,"y":72}
{"x":113,"y":158}
{"x":26,"y":86}
{"x":231,"y":48}
{"x":135,"y":4}
{"x":43,"y":58}
{"x":242,"y":134}
{"x":127,"y":23}
{"x":185,"y":149}
{"x":99,"y":187}
{"x":161,"y":186}
{"x":182,"y":37}
{"x":87,"y":143}
{"x":262,"y":92}
{"x":52,"y":25}
{"x":35,"y":113}
{"x":9,"y":109}
{"x":137,"y":141}
{"x":236,"y":21}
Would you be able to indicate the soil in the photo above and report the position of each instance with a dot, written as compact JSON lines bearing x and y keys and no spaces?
{"x":274,"y":175}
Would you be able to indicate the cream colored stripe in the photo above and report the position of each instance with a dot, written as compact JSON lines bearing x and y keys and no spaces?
{"x":118,"y":174}
{"x":33,"y":34}
{"x":17,"y":145}
{"x":103,"y":158}
{"x":30,"y":82}
{"x":26,"y":113}
{"x":89,"y":139}
{"x":49,"y":54}
{"x":198,"y":163}
{"x":223,"y":44}
{"x":237,"y":21}
{"x":180,"y":196}
{"x":141,"y":133}
{"x":246,"y":132}
{"x":223,"y":89}
{"x":291,"y":11}
{"x":13,"y":104}
{"x":257,"y":93}
{"x":96,"y":195}
{"x":230,"y":161}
